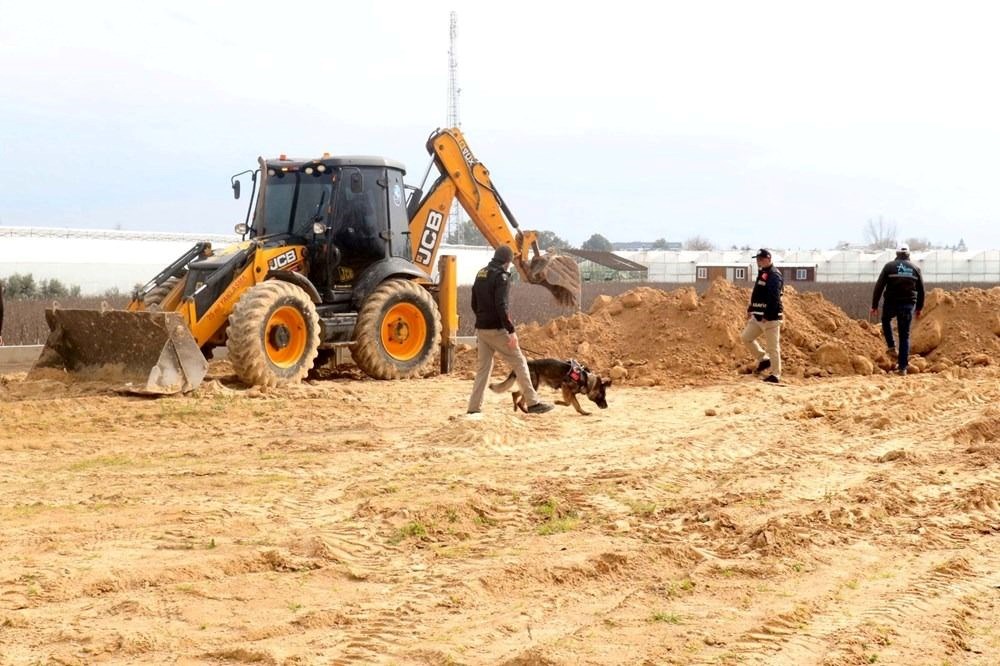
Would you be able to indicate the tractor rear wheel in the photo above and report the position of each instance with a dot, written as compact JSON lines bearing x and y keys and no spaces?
{"x":398,"y":331}
{"x":156,"y":295}
{"x":273,"y":334}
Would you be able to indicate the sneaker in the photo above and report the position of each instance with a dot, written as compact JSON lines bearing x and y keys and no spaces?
{"x":902,"y":371}
{"x":893,"y":354}
{"x":763,"y":365}
{"x":540,"y":408}
{"x":771,"y":379}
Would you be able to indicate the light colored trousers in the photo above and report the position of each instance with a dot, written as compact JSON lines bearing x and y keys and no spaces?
{"x":771,"y":330}
{"x":490,"y":342}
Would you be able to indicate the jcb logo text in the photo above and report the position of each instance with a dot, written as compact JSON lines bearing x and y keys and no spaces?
{"x":282,"y":260}
{"x":429,"y":239}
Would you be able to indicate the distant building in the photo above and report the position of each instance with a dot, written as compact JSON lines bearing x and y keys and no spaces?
{"x":738,"y":272}
{"x":797,"y":272}
{"x":638,"y":246}
{"x":632,"y":246}
{"x":743,"y":272}
{"x":600,"y":266}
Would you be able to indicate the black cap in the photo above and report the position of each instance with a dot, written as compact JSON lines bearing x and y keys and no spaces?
{"x":504,"y":254}
{"x":762,"y":253}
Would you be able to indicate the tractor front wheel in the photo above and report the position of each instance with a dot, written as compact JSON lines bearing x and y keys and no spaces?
{"x":273,"y":334}
{"x":397,"y":332}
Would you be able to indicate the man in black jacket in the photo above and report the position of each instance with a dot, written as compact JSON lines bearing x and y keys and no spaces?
{"x":1,"y":312}
{"x":765,"y":314}
{"x":495,"y":332}
{"x":904,"y":296}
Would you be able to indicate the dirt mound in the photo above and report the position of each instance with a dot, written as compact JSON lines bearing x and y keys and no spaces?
{"x":652,"y":337}
{"x":959,"y":328}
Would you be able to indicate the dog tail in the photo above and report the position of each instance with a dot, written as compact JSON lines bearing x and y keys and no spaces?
{"x":505,"y":384}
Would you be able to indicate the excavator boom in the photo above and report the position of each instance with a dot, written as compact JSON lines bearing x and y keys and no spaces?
{"x":465,"y":177}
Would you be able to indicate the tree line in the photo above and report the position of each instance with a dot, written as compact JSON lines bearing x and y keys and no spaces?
{"x":25,"y":286}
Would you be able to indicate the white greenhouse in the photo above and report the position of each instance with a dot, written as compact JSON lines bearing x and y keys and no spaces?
{"x":102,"y":260}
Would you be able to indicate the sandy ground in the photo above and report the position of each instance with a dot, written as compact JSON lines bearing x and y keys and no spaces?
{"x":843,"y":520}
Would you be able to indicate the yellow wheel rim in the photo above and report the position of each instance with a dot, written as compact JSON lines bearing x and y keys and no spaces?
{"x":404,"y":331}
{"x":285,"y":336}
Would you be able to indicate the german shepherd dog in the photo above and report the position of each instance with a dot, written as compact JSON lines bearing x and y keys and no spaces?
{"x":569,"y":376}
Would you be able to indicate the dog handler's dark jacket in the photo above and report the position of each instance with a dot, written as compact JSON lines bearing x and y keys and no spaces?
{"x":765,"y":301}
{"x":902,"y":283}
{"x":490,"y":294}
{"x":1,"y":308}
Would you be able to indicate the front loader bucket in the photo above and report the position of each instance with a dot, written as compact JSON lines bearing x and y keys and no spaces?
{"x":559,"y":274}
{"x":148,"y":352}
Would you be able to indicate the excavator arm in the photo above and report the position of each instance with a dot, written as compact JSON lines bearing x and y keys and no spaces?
{"x":465,"y":177}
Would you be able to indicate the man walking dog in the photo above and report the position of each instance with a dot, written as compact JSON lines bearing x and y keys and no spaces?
{"x":903,"y":285}
{"x":495,"y":332}
{"x":764,"y":317}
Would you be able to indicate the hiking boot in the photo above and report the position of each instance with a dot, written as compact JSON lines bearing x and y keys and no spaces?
{"x":763,"y":365}
{"x":902,"y":371}
{"x":771,"y":379}
{"x":540,"y":408}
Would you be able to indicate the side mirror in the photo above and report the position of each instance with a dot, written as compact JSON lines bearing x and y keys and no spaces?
{"x":236,"y":189}
{"x":241,"y":229}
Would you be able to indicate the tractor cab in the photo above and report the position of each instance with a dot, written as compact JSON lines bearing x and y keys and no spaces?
{"x":348,"y":212}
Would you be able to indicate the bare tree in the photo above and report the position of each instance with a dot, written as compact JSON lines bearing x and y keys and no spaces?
{"x":879,"y":234}
{"x":698,"y":243}
{"x":918,"y":244}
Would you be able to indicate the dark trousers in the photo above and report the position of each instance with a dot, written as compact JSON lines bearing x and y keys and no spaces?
{"x":903,"y":312}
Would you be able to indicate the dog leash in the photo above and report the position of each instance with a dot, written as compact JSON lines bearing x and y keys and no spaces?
{"x":531,"y":351}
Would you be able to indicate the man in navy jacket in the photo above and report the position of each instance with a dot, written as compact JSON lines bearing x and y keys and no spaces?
{"x":904,"y":296}
{"x":764,"y":316}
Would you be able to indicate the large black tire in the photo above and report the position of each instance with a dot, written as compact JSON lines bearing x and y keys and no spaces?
{"x":156,"y":295}
{"x":398,"y":331}
{"x":273,"y":334}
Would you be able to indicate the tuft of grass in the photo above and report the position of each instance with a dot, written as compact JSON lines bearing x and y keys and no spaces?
{"x":547,"y":509}
{"x":100,"y":461}
{"x":485,"y":521}
{"x":669,"y":618}
{"x":642,"y":509}
{"x":410,"y":530}
{"x":677,"y":588}
{"x":558,"y":525}
{"x":556,"y":518}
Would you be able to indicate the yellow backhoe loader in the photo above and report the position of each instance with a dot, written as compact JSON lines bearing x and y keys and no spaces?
{"x":334,"y":253}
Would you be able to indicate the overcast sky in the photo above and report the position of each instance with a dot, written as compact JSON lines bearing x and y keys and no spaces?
{"x":785,"y":124}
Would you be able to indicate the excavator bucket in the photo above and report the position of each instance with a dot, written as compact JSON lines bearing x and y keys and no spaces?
{"x":559,"y":274}
{"x":150,"y":353}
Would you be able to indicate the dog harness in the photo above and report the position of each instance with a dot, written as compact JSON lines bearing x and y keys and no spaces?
{"x":577,"y":373}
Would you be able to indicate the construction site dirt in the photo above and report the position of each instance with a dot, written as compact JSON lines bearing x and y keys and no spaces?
{"x":845,"y":516}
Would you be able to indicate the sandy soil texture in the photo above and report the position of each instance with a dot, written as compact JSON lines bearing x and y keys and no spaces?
{"x":844,"y":519}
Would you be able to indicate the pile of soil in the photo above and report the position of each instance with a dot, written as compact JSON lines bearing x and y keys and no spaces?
{"x":959,"y":328}
{"x":656,"y":337}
